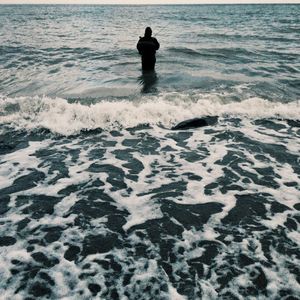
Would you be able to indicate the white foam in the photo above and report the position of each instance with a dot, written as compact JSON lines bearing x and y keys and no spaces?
{"x":10,"y":163}
{"x":174,"y":295}
{"x":295,"y":237}
{"x":208,"y":291}
{"x":65,"y":204}
{"x":275,"y":221}
{"x":140,"y":212}
{"x":140,"y":204}
{"x":62,"y":117}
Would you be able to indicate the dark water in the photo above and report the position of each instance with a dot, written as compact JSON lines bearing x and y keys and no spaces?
{"x":99,"y":198}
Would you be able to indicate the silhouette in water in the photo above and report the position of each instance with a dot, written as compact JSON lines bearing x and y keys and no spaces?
{"x":147,"y":46}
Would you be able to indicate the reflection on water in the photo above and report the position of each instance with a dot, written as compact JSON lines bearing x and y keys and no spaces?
{"x":148,"y":81}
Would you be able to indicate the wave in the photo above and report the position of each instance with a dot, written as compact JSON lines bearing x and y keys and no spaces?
{"x":232,"y":53}
{"x":65,"y":118}
{"x":183,"y":50}
{"x":53,"y":56}
{"x":246,"y":37}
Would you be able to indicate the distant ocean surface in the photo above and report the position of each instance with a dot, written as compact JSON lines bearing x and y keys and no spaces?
{"x":100,"y":199}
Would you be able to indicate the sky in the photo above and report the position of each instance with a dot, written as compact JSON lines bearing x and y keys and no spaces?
{"x":142,"y":1}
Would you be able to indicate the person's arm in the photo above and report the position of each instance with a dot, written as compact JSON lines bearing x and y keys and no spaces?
{"x":156,"y":43}
{"x":138,"y":46}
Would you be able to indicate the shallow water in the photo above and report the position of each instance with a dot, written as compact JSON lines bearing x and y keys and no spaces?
{"x":99,"y":198}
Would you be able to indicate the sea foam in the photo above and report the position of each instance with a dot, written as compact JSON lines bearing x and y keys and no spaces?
{"x":65,"y":118}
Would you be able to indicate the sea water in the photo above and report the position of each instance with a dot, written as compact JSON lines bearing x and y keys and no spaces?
{"x":99,"y":198}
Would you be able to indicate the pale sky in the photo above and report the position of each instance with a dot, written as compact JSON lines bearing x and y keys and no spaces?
{"x":142,"y":1}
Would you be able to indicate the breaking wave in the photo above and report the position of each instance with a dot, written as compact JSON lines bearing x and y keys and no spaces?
{"x":63,"y":117}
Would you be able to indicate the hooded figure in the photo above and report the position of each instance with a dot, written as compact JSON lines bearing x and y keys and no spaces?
{"x":147,"y":47}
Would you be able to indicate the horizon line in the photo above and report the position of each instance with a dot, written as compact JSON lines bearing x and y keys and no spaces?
{"x":158,"y":4}
{"x":145,"y":2}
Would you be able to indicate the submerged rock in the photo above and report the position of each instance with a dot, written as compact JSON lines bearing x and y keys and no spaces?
{"x":195,"y":123}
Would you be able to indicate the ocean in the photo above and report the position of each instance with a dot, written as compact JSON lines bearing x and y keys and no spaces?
{"x":101,"y":199}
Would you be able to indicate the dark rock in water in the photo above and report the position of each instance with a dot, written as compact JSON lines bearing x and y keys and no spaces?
{"x":192,"y":123}
{"x":195,"y":123}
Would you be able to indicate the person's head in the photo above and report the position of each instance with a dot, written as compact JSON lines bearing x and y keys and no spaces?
{"x":148,"y":32}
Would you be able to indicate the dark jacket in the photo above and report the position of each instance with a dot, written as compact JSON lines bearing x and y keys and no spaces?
{"x":147,"y":47}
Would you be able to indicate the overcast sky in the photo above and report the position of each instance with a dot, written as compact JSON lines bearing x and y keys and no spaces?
{"x":142,"y":1}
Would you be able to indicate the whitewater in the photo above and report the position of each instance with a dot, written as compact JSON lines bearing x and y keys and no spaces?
{"x":100,"y":198}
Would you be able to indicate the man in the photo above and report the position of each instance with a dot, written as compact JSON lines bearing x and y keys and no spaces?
{"x":147,"y":47}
